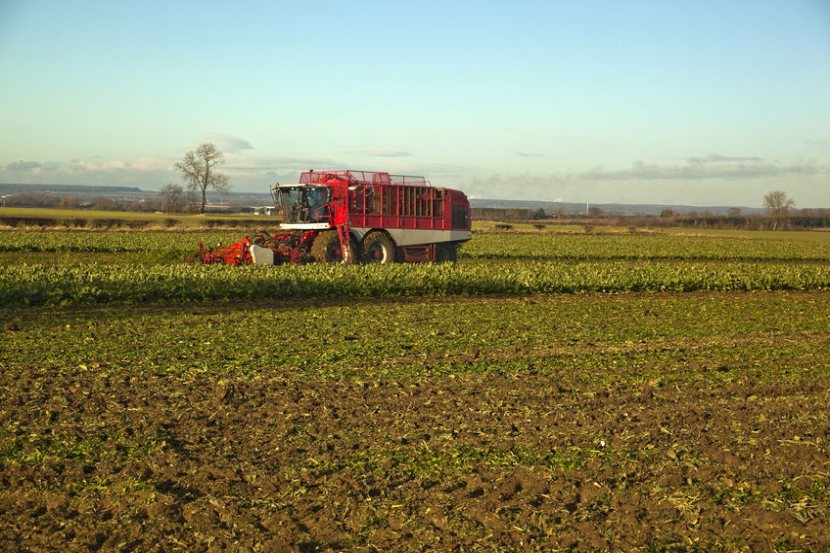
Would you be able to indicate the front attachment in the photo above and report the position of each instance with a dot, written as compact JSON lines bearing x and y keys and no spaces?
{"x":238,"y":253}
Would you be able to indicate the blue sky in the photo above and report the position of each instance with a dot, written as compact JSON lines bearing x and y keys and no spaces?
{"x":671,"y":102}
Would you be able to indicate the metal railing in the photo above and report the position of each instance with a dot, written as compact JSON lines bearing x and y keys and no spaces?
{"x":361,"y":177}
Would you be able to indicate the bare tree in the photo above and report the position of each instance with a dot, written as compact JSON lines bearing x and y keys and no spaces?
{"x":102,"y":203}
{"x":69,"y":202}
{"x":778,"y":206}
{"x":172,"y":198}
{"x":197,"y":169}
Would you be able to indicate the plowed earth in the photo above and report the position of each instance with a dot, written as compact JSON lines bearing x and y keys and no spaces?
{"x":716,"y":443}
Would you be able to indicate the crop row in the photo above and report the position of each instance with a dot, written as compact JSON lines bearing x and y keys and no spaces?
{"x":170,"y":247}
{"x":620,"y":338}
{"x":109,"y":242}
{"x":656,"y":246}
{"x":44,"y":284}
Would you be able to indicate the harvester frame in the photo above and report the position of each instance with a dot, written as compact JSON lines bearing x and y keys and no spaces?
{"x":356,"y":216}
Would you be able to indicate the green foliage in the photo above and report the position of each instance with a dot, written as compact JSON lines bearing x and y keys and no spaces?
{"x":731,"y":247}
{"x":511,"y":383}
{"x":58,"y":268}
{"x":585,"y":342}
{"x":182,"y":243}
{"x":43,"y":284}
{"x":734,"y":246}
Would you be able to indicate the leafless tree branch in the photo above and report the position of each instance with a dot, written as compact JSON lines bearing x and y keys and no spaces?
{"x":197,"y":169}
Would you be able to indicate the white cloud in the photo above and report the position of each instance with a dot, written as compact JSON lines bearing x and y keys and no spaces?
{"x":381,"y":152}
{"x":144,"y":172}
{"x":151,"y":164}
{"x":525,"y":186}
{"x":228,"y":143}
{"x":270,"y":163}
{"x":712,"y":179}
{"x":716,"y":158}
{"x":703,"y":168}
{"x":23,"y":166}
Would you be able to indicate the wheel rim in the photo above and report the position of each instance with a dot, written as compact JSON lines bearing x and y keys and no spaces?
{"x":377,"y":254}
{"x":333,"y":253}
{"x":378,"y":248}
{"x":326,"y":248}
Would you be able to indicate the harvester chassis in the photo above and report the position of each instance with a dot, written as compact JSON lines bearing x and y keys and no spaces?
{"x":355,"y":216}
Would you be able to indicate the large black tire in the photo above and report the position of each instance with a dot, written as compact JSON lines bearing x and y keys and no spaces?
{"x":445,"y":253}
{"x":326,"y":247}
{"x":378,"y":247}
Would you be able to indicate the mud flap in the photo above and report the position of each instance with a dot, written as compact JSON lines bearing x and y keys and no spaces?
{"x":261,"y":256}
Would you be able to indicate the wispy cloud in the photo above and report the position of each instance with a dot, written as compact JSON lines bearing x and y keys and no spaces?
{"x":713,"y":166}
{"x":270,"y":163}
{"x":228,"y":143}
{"x":23,"y":166}
{"x":107,"y":165}
{"x":380,"y":152}
{"x":91,"y":171}
{"x":246,"y":172}
{"x":819,"y":145}
{"x":151,"y":164}
{"x":518,"y":186}
{"x":526,"y":154}
{"x":717,"y":158}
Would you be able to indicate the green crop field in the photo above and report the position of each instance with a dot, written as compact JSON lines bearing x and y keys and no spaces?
{"x":555,"y":390}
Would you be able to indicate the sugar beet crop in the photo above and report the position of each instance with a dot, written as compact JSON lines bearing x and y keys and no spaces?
{"x":506,"y":403}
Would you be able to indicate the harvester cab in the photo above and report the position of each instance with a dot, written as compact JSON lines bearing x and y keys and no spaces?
{"x":303,"y":206}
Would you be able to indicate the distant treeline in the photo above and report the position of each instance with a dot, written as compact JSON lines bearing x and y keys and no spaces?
{"x":508,"y":213}
{"x":798,"y":219}
{"x":70,"y":201}
{"x":15,"y":188}
{"x":150,"y":204}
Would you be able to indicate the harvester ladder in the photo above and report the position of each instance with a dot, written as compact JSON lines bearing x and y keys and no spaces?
{"x":345,"y":242}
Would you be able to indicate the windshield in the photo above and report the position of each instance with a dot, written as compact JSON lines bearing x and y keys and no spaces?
{"x":304,"y":204}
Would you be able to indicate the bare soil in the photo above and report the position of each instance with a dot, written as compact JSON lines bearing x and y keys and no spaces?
{"x":471,"y":463}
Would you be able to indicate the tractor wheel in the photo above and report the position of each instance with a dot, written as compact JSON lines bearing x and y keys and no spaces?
{"x":445,"y":253}
{"x":326,"y":247}
{"x":378,"y":248}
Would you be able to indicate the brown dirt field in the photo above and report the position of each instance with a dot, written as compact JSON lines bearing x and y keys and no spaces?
{"x":472,"y":463}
